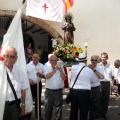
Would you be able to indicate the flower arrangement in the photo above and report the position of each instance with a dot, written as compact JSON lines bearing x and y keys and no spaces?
{"x":68,"y":53}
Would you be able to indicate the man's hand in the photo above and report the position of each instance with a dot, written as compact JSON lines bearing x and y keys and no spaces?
{"x":57,"y":67}
{"x":91,"y":66}
{"x":38,"y":74}
{"x":22,"y":111}
{"x":31,"y":82}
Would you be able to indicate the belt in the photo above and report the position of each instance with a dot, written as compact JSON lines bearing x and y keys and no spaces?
{"x":11,"y":102}
{"x":95,"y":87}
{"x":54,"y":89}
{"x":104,"y":82}
{"x":83,"y":90}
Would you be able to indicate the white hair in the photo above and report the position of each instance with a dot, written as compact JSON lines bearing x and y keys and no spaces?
{"x":117,"y":62}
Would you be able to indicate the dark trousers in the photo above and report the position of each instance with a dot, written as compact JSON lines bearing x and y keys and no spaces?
{"x":94,"y":103}
{"x":80,"y":100}
{"x":104,"y":99}
{"x":10,"y":112}
{"x":34,"y":95}
{"x":119,"y":89}
{"x":53,"y":99}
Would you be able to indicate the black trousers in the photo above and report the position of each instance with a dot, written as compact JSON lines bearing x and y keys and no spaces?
{"x":104,"y":98}
{"x":10,"y":112}
{"x":34,"y":95}
{"x":94,"y":103}
{"x":80,"y":100}
{"x":119,"y":89}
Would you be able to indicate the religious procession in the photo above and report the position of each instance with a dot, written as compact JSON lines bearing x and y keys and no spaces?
{"x":47,"y":69}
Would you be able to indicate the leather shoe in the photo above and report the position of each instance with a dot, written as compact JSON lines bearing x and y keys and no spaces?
{"x":104,"y":117}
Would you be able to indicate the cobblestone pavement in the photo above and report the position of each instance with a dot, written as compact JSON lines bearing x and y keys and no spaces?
{"x":113,"y":110}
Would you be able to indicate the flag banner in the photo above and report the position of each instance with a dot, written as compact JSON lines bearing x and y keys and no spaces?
{"x":3,"y":86}
{"x":14,"y":38}
{"x":46,"y":9}
{"x":68,"y":4}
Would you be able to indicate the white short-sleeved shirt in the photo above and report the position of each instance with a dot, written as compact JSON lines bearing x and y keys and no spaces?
{"x":32,"y":70}
{"x":118,"y":76}
{"x":55,"y":82}
{"x":19,"y":82}
{"x":108,"y":71}
{"x":115,"y":73}
{"x":97,"y":82}
{"x":85,"y":79}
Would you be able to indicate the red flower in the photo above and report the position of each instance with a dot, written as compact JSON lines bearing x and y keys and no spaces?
{"x":64,"y":51}
{"x":76,"y":56}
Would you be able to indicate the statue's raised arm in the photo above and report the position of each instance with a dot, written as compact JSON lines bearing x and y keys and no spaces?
{"x":68,"y":28}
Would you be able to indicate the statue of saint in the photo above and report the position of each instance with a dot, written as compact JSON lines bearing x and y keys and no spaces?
{"x":68,"y":28}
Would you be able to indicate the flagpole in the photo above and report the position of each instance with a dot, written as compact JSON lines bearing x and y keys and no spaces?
{"x":38,"y":99}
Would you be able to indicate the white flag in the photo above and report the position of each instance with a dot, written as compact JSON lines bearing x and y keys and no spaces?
{"x":46,"y":9}
{"x":3,"y":86}
{"x":14,"y":38}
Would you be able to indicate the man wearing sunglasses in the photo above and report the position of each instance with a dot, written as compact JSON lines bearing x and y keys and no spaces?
{"x":95,"y":88}
{"x":20,"y":85}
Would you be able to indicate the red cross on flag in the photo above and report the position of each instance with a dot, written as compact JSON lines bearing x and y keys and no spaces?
{"x":46,"y":9}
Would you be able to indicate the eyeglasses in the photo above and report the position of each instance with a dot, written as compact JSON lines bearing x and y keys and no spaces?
{"x":9,"y":56}
{"x":93,"y":60}
{"x":53,"y":60}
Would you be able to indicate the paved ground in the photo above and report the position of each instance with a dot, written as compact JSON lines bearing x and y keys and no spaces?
{"x":114,"y":108}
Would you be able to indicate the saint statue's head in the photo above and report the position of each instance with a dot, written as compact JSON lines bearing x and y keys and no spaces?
{"x":68,"y":17}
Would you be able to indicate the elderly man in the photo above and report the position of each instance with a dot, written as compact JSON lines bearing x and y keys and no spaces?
{"x":35,"y":73}
{"x":117,"y":66}
{"x":105,"y":83}
{"x":20,"y":85}
{"x":80,"y":93}
{"x":117,"y":78}
{"x":95,"y":88}
{"x":55,"y":77}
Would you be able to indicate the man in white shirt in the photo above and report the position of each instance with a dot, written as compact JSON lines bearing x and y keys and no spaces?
{"x":20,"y":85}
{"x":117,"y":76}
{"x":108,"y":70}
{"x":80,"y":93}
{"x":55,"y":77}
{"x":117,"y":66}
{"x":35,"y":72}
{"x":95,"y":88}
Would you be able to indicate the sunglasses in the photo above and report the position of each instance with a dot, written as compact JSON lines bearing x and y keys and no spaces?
{"x":9,"y":56}
{"x":93,"y":60}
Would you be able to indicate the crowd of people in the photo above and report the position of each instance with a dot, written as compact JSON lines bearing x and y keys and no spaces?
{"x":90,"y":86}
{"x":43,"y":53}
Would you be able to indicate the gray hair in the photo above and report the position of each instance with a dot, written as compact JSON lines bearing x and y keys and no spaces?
{"x":36,"y":55}
{"x":117,"y":62}
{"x":10,"y":47}
{"x":49,"y":56}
